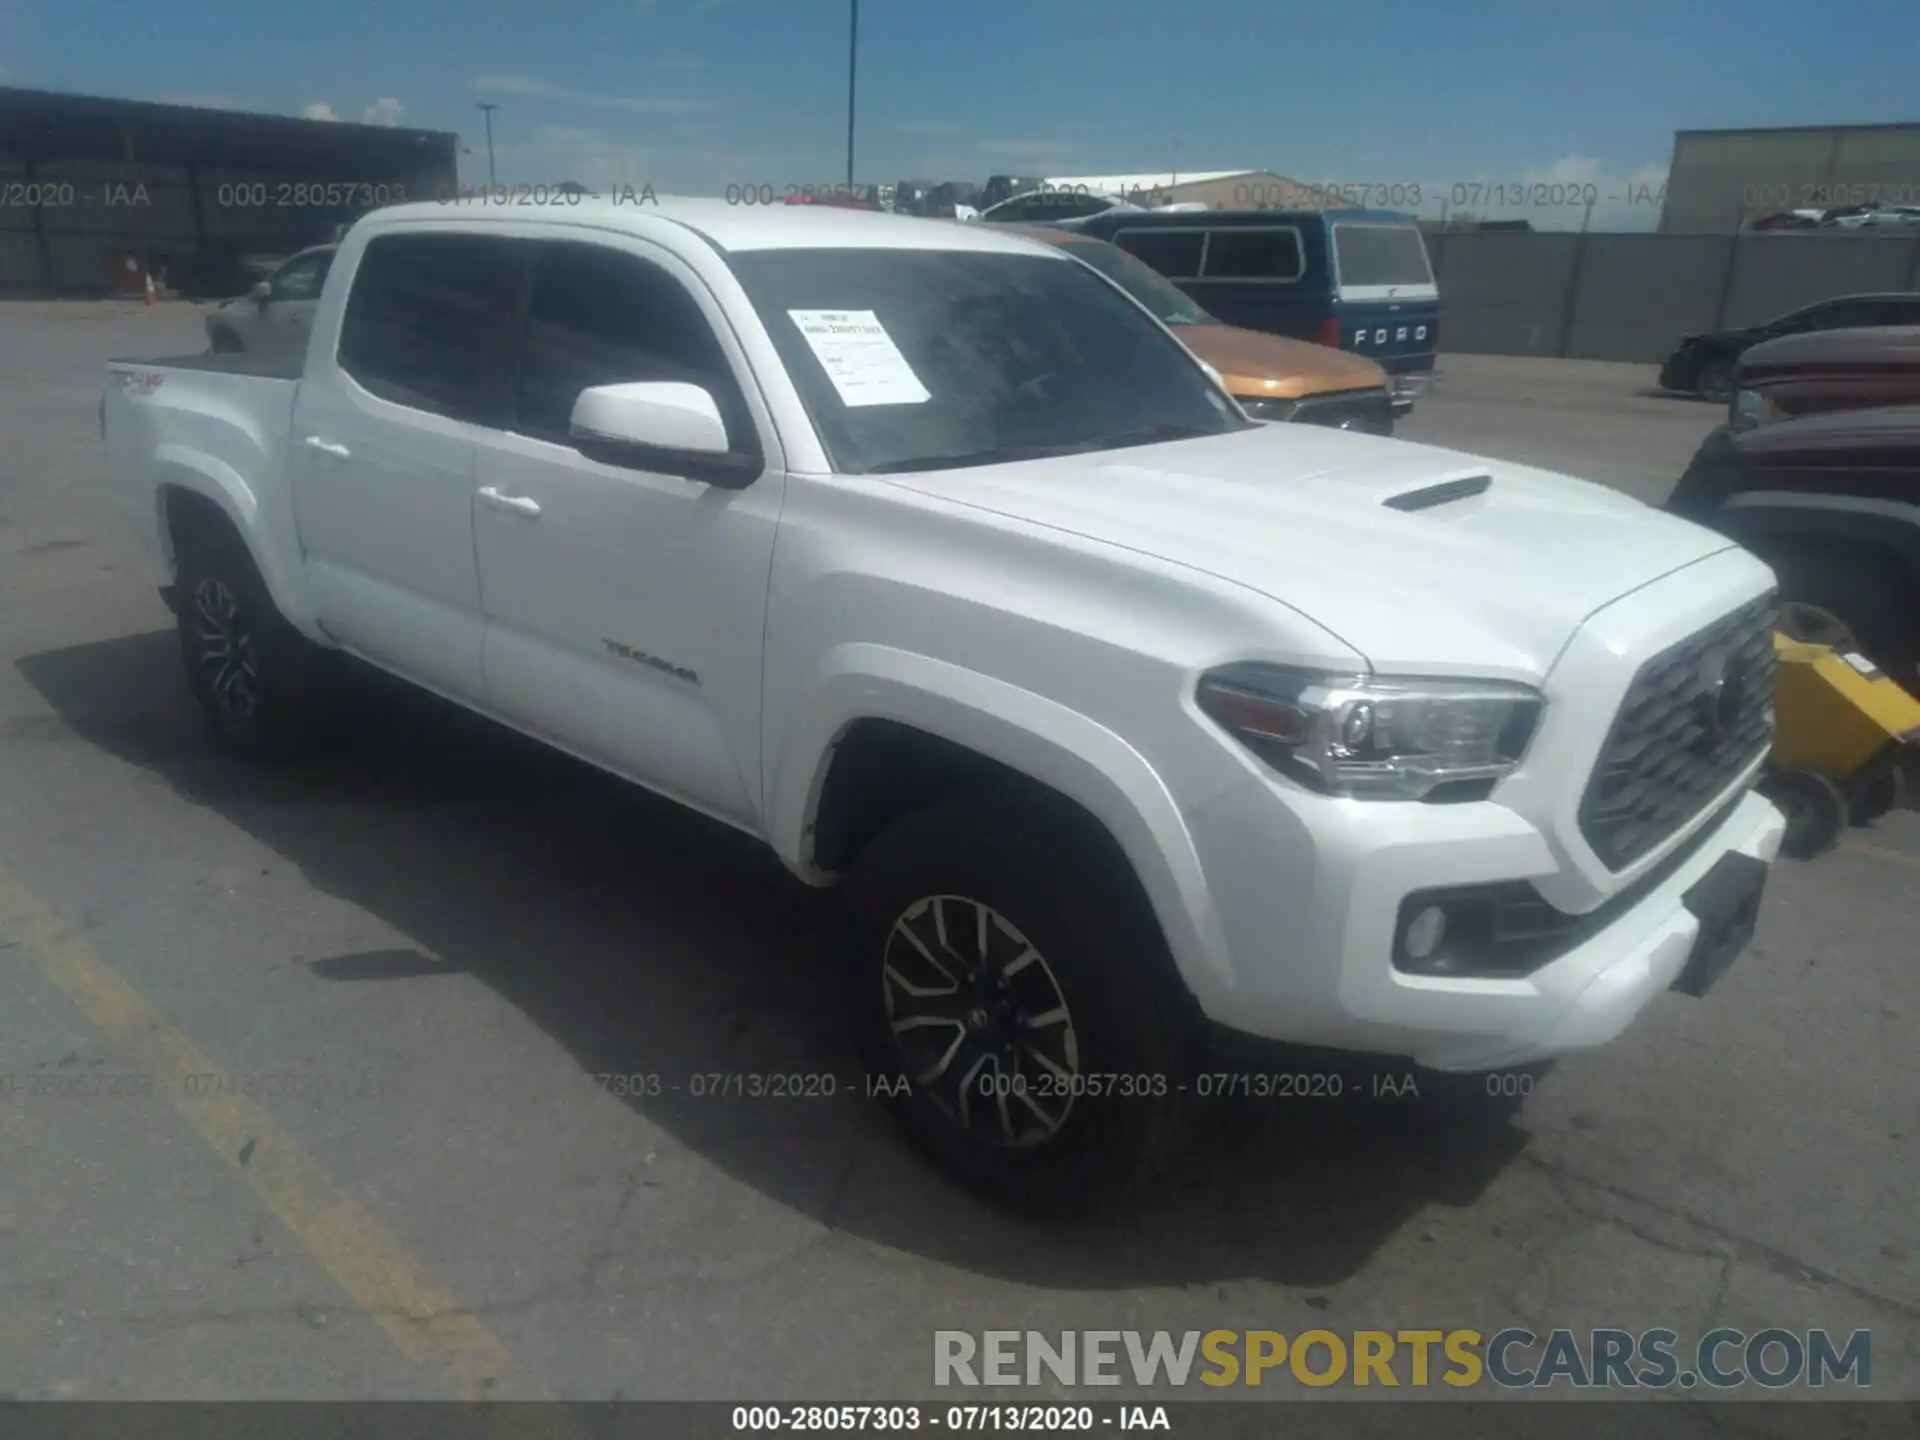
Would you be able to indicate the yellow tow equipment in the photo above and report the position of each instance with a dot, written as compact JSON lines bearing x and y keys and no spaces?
{"x":1845,"y":734}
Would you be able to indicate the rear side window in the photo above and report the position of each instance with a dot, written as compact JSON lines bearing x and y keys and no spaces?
{"x":597,"y":316}
{"x":1380,"y":255}
{"x":1253,"y":255}
{"x":423,"y":318}
{"x":1174,"y":253}
{"x":1845,"y":314}
{"x":1898,"y":311}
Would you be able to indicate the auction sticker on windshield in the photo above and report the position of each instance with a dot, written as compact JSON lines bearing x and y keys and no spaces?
{"x":859,"y":356}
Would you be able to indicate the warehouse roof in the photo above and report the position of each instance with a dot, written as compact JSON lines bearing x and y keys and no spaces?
{"x":51,"y":125}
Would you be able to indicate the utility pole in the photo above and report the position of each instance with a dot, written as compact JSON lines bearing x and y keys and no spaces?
{"x":853,"y":57}
{"x":487,"y":107}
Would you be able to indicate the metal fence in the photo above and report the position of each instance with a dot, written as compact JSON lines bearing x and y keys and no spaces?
{"x":1629,"y":297}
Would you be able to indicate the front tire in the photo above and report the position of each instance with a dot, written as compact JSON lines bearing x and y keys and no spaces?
{"x":1814,"y":808}
{"x":257,"y":679}
{"x":1014,"y":1004}
{"x":1866,"y":599}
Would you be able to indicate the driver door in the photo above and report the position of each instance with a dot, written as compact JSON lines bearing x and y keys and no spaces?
{"x":626,"y":608}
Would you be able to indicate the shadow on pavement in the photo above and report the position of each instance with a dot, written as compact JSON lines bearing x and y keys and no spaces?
{"x":646,"y":939}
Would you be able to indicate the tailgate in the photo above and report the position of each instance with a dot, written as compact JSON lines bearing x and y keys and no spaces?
{"x":1385,"y":296}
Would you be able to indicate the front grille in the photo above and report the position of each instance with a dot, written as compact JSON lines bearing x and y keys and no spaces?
{"x":1369,"y":411}
{"x":1695,"y":716}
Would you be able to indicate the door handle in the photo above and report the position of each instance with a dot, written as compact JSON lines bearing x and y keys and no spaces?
{"x":519,"y":504}
{"x":328,"y":447}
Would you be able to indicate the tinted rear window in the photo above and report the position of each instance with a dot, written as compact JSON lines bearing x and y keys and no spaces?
{"x":1237,"y":254}
{"x":1370,"y":254}
{"x":1174,"y":253}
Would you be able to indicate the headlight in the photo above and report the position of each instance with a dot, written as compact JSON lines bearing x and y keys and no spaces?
{"x":1370,"y":737}
{"x":1751,"y":408}
{"x":1266,"y":409}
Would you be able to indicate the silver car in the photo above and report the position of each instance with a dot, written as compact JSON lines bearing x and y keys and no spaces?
{"x":277,"y":314}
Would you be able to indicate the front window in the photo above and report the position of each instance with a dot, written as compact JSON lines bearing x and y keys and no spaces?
{"x":1168,"y":302}
{"x":942,"y":359}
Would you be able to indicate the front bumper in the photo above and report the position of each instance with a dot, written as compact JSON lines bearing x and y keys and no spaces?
{"x":1411,"y":387}
{"x":1311,"y":962}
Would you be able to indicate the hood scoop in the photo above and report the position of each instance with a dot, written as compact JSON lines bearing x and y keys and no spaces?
{"x":1445,"y":492}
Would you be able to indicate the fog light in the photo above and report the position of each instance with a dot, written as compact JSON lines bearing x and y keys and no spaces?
{"x":1425,"y":932}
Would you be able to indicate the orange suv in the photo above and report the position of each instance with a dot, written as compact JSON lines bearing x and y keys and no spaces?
{"x":1272,"y":377}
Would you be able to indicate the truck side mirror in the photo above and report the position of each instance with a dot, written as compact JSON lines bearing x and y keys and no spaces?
{"x":665,"y":426}
{"x":262,"y":292}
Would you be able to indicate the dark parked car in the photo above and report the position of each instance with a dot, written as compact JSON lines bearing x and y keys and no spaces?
{"x":1703,"y":364}
{"x":1832,"y":502}
{"x":1826,"y":370}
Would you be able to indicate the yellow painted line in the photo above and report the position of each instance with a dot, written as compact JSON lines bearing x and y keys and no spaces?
{"x":1881,"y":852}
{"x":424,"y":1320}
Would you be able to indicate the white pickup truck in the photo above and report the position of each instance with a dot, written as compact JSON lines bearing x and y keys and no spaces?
{"x":1127,"y":725}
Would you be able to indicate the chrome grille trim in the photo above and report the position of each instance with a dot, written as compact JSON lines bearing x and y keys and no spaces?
{"x":1369,"y":411}
{"x":1679,"y":740}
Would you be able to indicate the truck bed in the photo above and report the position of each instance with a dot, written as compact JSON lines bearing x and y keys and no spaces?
{"x":262,"y":366}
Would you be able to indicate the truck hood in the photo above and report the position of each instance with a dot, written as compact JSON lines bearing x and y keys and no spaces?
{"x":1258,"y":365}
{"x":1423,"y":560}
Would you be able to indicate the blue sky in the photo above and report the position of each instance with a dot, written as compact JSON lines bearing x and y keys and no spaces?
{"x":695,"y":95}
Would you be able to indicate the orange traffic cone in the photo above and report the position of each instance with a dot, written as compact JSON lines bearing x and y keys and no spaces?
{"x":150,"y":288}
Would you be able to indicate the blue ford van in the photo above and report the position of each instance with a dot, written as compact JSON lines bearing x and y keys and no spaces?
{"x":1356,"y":280}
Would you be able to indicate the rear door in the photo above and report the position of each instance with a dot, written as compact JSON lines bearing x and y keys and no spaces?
{"x":1386,"y":302}
{"x":381,"y":456}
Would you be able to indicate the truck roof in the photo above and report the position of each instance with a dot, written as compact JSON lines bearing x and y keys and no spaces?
{"x":725,"y":225}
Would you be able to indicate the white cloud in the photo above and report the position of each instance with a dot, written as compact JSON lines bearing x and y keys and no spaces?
{"x":384,"y":111}
{"x":318,"y":110}
{"x":204,"y":99}
{"x":532,"y":87}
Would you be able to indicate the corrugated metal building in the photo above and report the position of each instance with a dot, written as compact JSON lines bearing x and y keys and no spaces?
{"x":99,"y":191}
{"x":1722,"y":179}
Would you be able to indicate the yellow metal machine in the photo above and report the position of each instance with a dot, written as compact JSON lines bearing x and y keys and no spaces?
{"x":1845,"y":736}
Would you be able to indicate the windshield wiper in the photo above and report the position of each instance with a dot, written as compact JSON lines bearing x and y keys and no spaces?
{"x":965,"y":459}
{"x":1152,"y":435}
{"x":1008,"y":454}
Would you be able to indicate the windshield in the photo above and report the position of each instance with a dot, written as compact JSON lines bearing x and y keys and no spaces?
{"x":1169,"y":303}
{"x":938,"y":359}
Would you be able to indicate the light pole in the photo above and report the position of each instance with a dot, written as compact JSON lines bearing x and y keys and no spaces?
{"x":487,"y":108}
{"x":853,"y":56}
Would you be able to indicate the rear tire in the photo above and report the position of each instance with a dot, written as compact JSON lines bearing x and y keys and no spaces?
{"x":258,"y":680}
{"x":992,"y":949}
{"x":224,"y":342}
